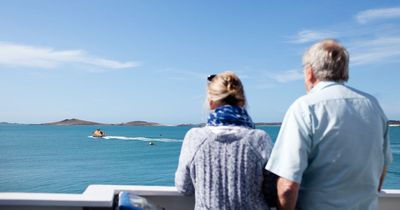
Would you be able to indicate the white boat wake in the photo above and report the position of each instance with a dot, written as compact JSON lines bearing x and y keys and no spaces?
{"x":126,"y":138}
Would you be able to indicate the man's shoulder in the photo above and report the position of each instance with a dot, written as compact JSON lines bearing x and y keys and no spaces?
{"x":361,"y":94}
{"x":329,"y":97}
{"x":356,"y":94}
{"x":334,"y":93}
{"x":301,"y":103}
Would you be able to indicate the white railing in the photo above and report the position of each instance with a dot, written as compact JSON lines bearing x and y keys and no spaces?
{"x":102,"y":196}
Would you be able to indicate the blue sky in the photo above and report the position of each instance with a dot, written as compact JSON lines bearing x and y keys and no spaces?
{"x":117,"y":61}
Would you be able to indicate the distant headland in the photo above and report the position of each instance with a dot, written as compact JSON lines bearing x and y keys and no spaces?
{"x":75,"y":121}
{"x":7,"y":123}
{"x":394,"y":122}
{"x":269,"y":123}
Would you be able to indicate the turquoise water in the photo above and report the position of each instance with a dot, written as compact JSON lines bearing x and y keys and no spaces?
{"x":65,"y":159}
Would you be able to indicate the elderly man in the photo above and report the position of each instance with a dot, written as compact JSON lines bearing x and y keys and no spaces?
{"x":333,"y":148}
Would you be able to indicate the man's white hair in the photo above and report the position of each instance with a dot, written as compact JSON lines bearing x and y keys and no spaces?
{"x":329,"y":61}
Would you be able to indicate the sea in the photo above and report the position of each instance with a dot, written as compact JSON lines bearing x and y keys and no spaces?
{"x":66,"y":159}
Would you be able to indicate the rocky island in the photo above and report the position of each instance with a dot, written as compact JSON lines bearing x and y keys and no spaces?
{"x":73,"y":121}
{"x":140,"y":123}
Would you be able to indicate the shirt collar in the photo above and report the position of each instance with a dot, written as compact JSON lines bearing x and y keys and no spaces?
{"x":323,"y":84}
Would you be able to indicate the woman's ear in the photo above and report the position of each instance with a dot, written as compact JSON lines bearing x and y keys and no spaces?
{"x":211,"y":104}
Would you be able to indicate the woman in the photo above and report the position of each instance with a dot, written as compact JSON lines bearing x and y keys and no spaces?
{"x":223,"y":162}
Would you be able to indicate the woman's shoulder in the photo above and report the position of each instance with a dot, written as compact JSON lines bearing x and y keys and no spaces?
{"x":260,"y":140}
{"x":258,"y":133}
{"x":193,"y":140}
{"x":195,"y":136}
{"x":197,"y":132}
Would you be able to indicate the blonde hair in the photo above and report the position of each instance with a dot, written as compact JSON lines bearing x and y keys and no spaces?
{"x":226,"y":89}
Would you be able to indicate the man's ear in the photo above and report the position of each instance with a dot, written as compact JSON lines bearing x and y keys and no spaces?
{"x":310,"y":79}
{"x":310,"y":76}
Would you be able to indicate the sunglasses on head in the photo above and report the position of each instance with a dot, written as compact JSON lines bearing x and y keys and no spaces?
{"x":211,"y":77}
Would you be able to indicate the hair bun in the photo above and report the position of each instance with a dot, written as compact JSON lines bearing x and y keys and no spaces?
{"x":227,"y":88}
{"x":231,"y":83}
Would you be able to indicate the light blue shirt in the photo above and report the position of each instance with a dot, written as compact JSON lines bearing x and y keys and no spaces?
{"x":333,"y":141}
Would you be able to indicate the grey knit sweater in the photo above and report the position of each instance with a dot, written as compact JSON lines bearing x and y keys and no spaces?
{"x":223,"y":166}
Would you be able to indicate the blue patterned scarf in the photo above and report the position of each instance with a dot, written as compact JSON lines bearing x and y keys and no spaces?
{"x":230,"y":115}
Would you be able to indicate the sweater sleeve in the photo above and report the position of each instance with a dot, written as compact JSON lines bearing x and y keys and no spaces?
{"x":183,"y":181}
{"x":262,"y":144}
{"x":266,"y":147}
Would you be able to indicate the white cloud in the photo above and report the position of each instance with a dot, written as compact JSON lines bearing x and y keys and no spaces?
{"x":30,"y":56}
{"x":375,"y":50}
{"x":305,"y":36}
{"x":367,"y":43}
{"x":377,"y":14}
{"x":288,"y":76}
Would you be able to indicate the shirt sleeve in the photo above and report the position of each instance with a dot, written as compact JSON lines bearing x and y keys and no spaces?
{"x":183,"y":181}
{"x":289,"y":157}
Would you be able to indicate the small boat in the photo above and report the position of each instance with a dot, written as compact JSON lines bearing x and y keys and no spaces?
{"x":98,"y":133}
{"x":151,"y":143}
